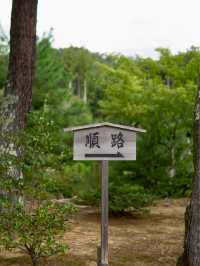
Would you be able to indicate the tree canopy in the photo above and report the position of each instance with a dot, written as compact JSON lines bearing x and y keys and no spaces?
{"x":74,"y":86}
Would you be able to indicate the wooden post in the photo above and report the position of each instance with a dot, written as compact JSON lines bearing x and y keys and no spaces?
{"x":101,"y":142}
{"x":98,"y":256}
{"x":104,"y":214}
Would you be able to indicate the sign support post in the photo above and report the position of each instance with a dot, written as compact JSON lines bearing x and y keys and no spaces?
{"x":104,"y":213}
{"x":104,"y":142}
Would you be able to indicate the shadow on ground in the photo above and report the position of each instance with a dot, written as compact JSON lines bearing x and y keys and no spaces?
{"x":56,"y":261}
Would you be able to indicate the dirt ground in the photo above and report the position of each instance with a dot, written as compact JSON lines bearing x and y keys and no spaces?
{"x":151,"y":239}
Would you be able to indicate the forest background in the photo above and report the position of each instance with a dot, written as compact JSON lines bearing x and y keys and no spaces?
{"x":74,"y":86}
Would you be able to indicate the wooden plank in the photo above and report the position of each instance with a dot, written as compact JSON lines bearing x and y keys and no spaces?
{"x":104,"y":213}
{"x":103,"y":141}
{"x":107,"y":124}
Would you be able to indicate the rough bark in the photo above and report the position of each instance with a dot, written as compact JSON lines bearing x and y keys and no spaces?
{"x":21,"y":59}
{"x":191,"y":255}
{"x":17,"y":99}
{"x":18,"y":90}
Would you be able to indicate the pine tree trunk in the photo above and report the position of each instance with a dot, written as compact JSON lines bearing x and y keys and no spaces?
{"x":17,"y":98}
{"x":22,"y":59}
{"x":18,"y":91}
{"x":191,"y":255}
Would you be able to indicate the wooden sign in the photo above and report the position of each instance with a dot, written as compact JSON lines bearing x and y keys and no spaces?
{"x":104,"y":142}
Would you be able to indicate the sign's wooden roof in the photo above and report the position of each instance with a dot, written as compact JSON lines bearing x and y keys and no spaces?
{"x":105,"y":124}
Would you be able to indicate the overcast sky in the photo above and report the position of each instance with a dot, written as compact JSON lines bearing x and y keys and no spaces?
{"x":120,"y":26}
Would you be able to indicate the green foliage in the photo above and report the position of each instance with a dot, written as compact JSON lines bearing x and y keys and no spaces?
{"x":77,"y":113}
{"x":78,"y":62}
{"x":44,"y":154}
{"x":36,"y":232}
{"x":36,"y":226}
{"x":124,"y":196}
{"x":72,"y":180}
{"x":157,"y":95}
{"x":50,"y":72}
{"x":165,"y":113}
{"x":3,"y":69}
{"x":74,"y":87}
{"x":3,"y":60}
{"x":88,"y":190}
{"x":46,"y":160}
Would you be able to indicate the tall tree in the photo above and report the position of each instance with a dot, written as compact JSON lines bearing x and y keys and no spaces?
{"x":17,"y":99}
{"x":191,"y":254}
{"x":21,"y":60}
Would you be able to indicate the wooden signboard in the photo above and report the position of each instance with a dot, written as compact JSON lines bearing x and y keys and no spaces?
{"x":104,"y":142}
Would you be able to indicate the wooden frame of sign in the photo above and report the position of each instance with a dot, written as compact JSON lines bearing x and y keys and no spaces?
{"x":104,"y":142}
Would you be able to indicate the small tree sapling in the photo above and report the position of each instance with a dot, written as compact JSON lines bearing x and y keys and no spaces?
{"x":36,"y":233}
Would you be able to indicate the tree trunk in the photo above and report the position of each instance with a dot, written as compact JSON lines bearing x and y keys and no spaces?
{"x":18,"y":90}
{"x":85,"y":91}
{"x":191,"y":255}
{"x":34,"y":260}
{"x":79,"y":87}
{"x":22,"y":59}
{"x":172,"y":171}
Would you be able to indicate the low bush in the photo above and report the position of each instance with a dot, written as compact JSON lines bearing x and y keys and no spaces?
{"x":125,"y":196}
{"x":36,"y":232}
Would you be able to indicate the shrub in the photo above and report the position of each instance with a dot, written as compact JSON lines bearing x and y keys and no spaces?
{"x":124,"y":196}
{"x":37,"y":232}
